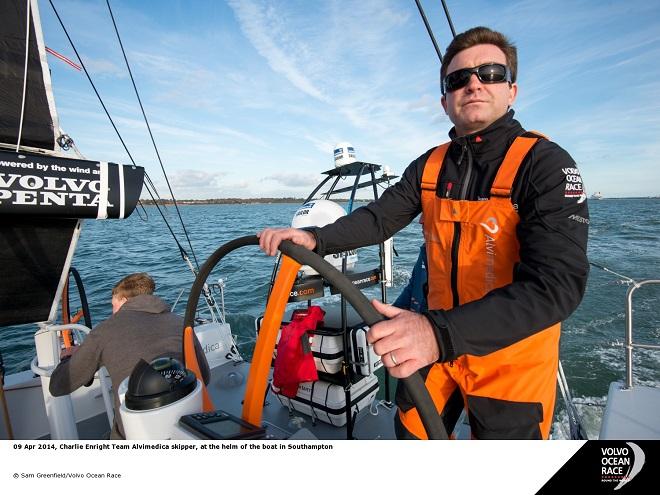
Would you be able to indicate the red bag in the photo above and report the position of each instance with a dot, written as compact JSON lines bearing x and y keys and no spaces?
{"x":294,"y":362}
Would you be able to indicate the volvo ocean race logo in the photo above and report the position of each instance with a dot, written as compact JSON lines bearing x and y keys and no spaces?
{"x":621,"y":464}
{"x":573,"y":187}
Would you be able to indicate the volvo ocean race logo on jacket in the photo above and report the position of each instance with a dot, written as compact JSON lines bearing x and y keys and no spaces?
{"x":573,"y":184}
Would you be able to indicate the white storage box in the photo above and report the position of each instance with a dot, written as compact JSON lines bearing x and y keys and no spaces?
{"x":327,"y":402}
{"x":365,"y":360}
{"x":328,"y":350}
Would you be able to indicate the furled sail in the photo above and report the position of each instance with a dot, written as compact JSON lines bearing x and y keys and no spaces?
{"x":39,"y":123}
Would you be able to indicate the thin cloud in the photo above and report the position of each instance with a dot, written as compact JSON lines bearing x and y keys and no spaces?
{"x":328,"y":63}
{"x":293,"y":179}
{"x":261,"y":25}
{"x":101,"y":67}
{"x":196,"y":178}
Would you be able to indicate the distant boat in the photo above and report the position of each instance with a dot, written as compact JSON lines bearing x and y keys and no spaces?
{"x":597,"y":195}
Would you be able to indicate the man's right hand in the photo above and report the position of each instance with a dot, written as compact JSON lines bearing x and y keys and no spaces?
{"x":269,"y":239}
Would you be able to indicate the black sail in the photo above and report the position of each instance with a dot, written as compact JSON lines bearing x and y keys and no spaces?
{"x":39,"y":117}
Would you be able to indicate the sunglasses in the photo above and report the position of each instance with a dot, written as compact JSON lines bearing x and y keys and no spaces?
{"x":487,"y":73}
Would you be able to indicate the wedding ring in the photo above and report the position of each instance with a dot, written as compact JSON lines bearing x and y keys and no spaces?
{"x":393,"y":359}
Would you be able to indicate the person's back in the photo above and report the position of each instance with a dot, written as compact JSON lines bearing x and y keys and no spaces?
{"x":142,"y":327}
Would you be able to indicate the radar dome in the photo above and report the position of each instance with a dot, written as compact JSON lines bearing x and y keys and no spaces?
{"x":344,"y":154}
{"x":319,"y":213}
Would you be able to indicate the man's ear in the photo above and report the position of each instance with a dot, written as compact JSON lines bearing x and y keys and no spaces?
{"x":117,"y":303}
{"x":443,"y":102}
{"x":513,"y":92}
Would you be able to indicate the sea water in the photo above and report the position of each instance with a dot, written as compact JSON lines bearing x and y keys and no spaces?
{"x":624,"y":236}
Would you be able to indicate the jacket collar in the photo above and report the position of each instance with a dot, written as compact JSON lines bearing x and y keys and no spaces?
{"x":146,"y":304}
{"x":490,"y":144}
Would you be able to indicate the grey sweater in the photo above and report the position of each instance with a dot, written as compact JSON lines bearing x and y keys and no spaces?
{"x":144,"y":328}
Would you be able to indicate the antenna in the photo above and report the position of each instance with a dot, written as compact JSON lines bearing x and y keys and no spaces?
{"x":428,"y":29}
{"x":451,"y":24}
{"x":428,"y":26}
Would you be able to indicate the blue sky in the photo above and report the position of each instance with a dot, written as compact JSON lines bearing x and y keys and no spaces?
{"x":247,"y":97}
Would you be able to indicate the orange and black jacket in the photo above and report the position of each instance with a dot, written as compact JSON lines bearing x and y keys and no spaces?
{"x":548,"y":282}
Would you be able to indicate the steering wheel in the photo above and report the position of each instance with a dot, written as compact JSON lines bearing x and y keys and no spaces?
{"x":294,"y":257}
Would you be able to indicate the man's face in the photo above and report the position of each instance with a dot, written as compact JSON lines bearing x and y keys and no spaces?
{"x":477,"y":105}
{"x":117,"y":303}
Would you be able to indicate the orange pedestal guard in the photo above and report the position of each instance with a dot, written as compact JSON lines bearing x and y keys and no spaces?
{"x":66,"y":334}
{"x":190,"y":357}
{"x":257,"y":381}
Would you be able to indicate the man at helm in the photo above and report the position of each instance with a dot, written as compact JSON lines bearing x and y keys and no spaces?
{"x":505,"y":226}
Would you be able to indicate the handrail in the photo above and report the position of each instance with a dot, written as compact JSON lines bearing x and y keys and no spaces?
{"x":630,"y":345}
{"x":46,"y":372}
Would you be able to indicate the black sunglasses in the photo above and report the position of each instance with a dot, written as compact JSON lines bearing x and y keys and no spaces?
{"x":487,"y":73}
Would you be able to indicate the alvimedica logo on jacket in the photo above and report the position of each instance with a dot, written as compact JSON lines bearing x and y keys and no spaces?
{"x":492,"y":228}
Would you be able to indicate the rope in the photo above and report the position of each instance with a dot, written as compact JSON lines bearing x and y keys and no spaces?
{"x":146,"y":215}
{"x":91,"y":82}
{"x":66,"y":143}
{"x":27,"y":51}
{"x":153,"y":141}
{"x":82,"y":64}
{"x":182,"y":251}
{"x":153,"y":186}
{"x":210,"y":302}
{"x":623,"y":277}
{"x":577,"y":430}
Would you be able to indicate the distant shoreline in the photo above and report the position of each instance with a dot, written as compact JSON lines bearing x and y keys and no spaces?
{"x":235,"y":201}
{"x":222,"y":201}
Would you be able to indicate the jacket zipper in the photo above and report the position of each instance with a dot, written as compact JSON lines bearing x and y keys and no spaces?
{"x":467,"y":175}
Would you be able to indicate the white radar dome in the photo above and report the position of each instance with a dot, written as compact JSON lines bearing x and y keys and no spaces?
{"x":319,"y":213}
{"x":344,"y":154}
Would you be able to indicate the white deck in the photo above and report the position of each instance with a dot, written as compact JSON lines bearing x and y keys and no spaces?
{"x":631,"y":414}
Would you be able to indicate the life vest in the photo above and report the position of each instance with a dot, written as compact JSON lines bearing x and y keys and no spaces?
{"x":294,"y":363}
{"x":472,"y":248}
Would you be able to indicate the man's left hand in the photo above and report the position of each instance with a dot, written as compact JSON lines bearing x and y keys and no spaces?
{"x":406,"y":342}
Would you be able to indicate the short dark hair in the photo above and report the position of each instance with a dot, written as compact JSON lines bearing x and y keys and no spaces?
{"x":134,"y":285}
{"x":481,"y":36}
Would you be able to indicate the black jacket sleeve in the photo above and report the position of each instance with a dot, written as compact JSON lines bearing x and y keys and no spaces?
{"x":380,"y":219}
{"x":548,"y":282}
